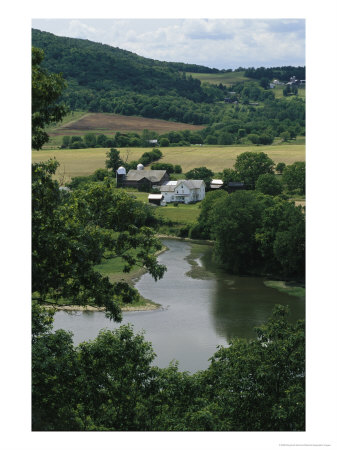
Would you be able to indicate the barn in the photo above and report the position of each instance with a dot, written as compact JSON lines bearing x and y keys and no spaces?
{"x":145,"y":178}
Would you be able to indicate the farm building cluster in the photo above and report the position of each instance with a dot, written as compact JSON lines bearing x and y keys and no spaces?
{"x":169,"y":191}
{"x":181,"y":191}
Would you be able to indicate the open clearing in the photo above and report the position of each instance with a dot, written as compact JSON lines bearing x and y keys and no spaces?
{"x":110,"y":123}
{"x":227,"y":79}
{"x":215,"y":157}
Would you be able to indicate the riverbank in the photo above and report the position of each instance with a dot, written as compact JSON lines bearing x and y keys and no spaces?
{"x":149,"y":306}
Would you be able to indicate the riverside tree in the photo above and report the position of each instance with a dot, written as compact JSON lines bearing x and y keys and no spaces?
{"x":71,"y":235}
{"x":250,"y":165}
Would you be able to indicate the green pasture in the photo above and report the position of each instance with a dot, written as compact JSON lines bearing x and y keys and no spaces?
{"x":227,"y":79}
{"x":181,"y":214}
{"x":215,"y":157}
{"x":278,"y":91}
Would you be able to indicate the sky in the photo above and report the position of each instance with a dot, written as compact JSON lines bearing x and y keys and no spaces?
{"x":219,"y":43}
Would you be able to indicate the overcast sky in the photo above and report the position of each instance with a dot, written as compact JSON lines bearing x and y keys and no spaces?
{"x":220,"y":43}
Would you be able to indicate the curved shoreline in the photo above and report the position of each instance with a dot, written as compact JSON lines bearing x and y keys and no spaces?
{"x":147,"y":307}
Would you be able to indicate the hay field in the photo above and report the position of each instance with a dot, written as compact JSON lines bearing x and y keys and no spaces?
{"x":215,"y":157}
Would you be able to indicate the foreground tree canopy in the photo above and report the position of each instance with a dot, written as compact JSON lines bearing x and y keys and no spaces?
{"x":46,"y":90}
{"x":73,"y":233}
{"x":110,"y":383}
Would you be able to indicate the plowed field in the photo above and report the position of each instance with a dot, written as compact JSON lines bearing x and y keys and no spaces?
{"x":110,"y":123}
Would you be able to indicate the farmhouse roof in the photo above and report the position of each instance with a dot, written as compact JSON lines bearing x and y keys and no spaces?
{"x":191,"y":184}
{"x":152,"y":175}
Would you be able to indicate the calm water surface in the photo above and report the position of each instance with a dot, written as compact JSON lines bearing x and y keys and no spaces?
{"x":202,"y":307}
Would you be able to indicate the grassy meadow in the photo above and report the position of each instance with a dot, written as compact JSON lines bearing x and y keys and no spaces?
{"x":227,"y":79}
{"x":215,"y":157}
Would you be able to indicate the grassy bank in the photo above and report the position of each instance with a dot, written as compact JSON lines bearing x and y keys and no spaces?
{"x":288,"y":287}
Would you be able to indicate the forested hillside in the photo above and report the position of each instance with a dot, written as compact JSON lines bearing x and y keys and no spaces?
{"x":101,"y":78}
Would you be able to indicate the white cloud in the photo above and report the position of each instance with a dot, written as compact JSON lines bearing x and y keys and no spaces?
{"x":221,"y":43}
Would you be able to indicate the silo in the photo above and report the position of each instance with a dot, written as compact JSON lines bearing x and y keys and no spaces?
{"x":120,"y":176}
{"x":140,"y":167}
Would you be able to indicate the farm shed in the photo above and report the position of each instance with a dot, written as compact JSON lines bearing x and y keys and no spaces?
{"x":216,"y":184}
{"x":155,"y":199}
{"x":183,"y":191}
{"x":137,"y":178}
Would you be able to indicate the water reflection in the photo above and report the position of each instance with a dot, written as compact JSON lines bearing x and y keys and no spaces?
{"x":202,"y":308}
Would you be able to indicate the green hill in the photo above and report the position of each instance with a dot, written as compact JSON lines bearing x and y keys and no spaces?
{"x":98,"y":75}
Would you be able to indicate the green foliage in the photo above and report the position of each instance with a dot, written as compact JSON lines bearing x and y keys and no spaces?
{"x":110,"y":383}
{"x":268,"y":184}
{"x":113,"y":160}
{"x":46,"y":90}
{"x":260,"y":383}
{"x":250,"y":166}
{"x":72,"y":235}
{"x":230,"y":175}
{"x":200,"y":173}
{"x":254,"y":233}
{"x":294,"y":177}
{"x":280,"y":167}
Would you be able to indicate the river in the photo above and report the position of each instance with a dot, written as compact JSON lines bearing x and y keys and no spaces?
{"x":202,"y":307}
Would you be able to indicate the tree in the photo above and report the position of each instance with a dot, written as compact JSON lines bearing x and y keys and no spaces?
{"x":113,"y":160}
{"x":235,"y":219}
{"x":280,"y":167}
{"x":46,"y":90}
{"x":70,"y":236}
{"x":90,"y":140}
{"x":200,"y":173}
{"x":281,"y":238}
{"x":65,"y":141}
{"x":294,"y":177}
{"x":229,"y":175}
{"x":285,"y":136}
{"x":268,"y":184}
{"x":260,"y":384}
{"x":251,"y":165}
{"x":117,"y":374}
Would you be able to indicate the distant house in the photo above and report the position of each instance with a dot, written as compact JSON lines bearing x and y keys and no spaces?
{"x":216,"y":184}
{"x":153,"y":141}
{"x":183,"y":191}
{"x":148,"y":178}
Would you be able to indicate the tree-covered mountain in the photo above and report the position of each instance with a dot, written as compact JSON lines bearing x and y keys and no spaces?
{"x":95,"y":71}
{"x":101,"y":78}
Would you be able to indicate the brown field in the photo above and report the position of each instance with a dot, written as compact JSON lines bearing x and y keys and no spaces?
{"x":110,"y":123}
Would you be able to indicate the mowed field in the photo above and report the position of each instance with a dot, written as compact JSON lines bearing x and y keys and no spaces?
{"x":227,"y":79}
{"x":86,"y":161}
{"x":110,"y":123}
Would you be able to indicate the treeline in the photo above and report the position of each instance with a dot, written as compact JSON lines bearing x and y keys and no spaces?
{"x":280,"y":73}
{"x":254,"y":233}
{"x":110,"y":383}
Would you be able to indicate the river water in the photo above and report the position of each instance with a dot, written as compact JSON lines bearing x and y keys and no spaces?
{"x":202,"y":307}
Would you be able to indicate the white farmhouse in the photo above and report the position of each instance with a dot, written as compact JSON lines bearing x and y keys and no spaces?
{"x":183,"y":191}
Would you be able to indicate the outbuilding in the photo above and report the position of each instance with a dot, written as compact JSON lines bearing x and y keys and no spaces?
{"x":155,"y":199}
